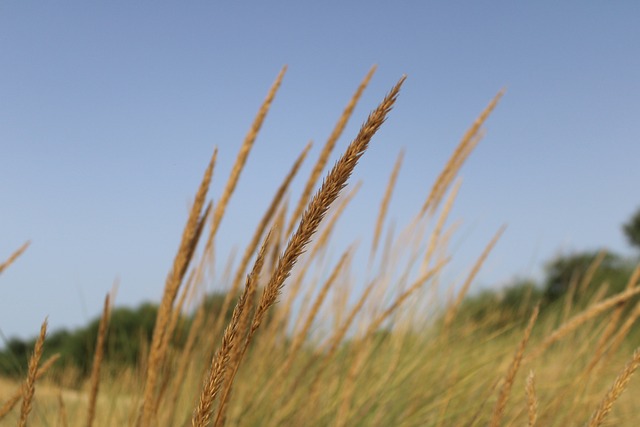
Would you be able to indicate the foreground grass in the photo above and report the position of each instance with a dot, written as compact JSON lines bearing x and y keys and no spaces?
{"x":309,"y":345}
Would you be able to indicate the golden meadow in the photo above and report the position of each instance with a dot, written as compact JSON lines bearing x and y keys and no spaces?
{"x":306,"y":344}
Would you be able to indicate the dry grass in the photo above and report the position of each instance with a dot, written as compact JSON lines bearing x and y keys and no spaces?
{"x":619,"y":385}
{"x":339,"y":349}
{"x":321,"y":163}
{"x":97,"y":362}
{"x":532,"y":400}
{"x":505,"y":390}
{"x":189,"y":241}
{"x":14,"y":256}
{"x":30,"y":384}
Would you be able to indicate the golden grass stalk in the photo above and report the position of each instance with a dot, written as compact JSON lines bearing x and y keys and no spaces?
{"x":382,"y":383}
{"x":14,"y":256}
{"x":415,"y":286}
{"x":15,"y":398}
{"x":98,"y":356}
{"x":186,"y":358}
{"x":177,"y":309}
{"x":600,"y":293}
{"x":241,"y":160}
{"x":63,"y":419}
{"x":270,"y":212}
{"x":334,"y":183}
{"x":333,"y":343}
{"x":619,"y":385}
{"x":581,"y":318}
{"x":318,"y":245}
{"x":532,"y":399}
{"x":29,"y":388}
{"x":624,"y":330}
{"x":570,"y":296}
{"x":221,"y":360}
{"x":9,"y":404}
{"x":459,"y":156}
{"x":157,"y":352}
{"x":384,"y":205}
{"x":188,"y":290}
{"x":612,"y":325}
{"x":299,"y":337}
{"x":242,"y":332}
{"x":331,"y":347}
{"x":258,"y":233}
{"x":349,"y":386}
{"x":591,"y":271}
{"x":327,"y":149}
{"x":453,"y":309}
{"x":437,"y":231}
{"x":325,"y":234}
{"x":507,"y":385}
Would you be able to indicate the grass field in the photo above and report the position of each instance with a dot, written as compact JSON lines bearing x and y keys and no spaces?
{"x":308,"y":346}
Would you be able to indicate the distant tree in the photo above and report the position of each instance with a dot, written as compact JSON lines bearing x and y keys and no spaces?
{"x":564,"y":270}
{"x":631,"y":229}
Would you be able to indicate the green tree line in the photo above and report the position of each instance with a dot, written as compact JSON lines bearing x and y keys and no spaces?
{"x":129,"y":334}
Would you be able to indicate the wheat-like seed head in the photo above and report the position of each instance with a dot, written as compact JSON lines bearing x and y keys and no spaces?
{"x":30,"y":385}
{"x":619,"y":386}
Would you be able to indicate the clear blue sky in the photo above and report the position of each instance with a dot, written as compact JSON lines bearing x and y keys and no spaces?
{"x":109,"y":113}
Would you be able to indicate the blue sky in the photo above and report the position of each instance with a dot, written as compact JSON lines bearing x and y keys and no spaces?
{"x":109,"y":113}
